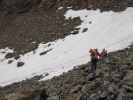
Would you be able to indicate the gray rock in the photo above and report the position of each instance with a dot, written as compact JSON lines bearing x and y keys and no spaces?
{"x":91,"y":76}
{"x":120,"y":95}
{"x":94,"y":96}
{"x":20,"y":64}
{"x":113,"y":89}
{"x":76,"y":89}
{"x":129,"y":76}
{"x":82,"y":96}
{"x":84,"y":30}
{"x":9,"y":55}
{"x":85,"y":88}
{"x":98,"y":73}
{"x":103,"y":95}
{"x":53,"y":98}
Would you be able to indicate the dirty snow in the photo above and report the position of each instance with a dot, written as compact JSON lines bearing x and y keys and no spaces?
{"x":105,"y":30}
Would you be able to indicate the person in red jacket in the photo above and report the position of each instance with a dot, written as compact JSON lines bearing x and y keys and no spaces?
{"x":94,"y":58}
{"x":103,"y":53}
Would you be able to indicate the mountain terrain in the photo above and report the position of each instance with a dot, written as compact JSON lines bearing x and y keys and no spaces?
{"x":24,"y":24}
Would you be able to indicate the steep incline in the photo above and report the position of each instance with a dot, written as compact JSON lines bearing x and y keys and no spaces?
{"x":41,"y":39}
{"x":26,"y":23}
{"x":97,"y":29}
{"x":114,"y":79}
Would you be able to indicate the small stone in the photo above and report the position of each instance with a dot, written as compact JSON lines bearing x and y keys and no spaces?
{"x":16,"y":57}
{"x":98,"y":73}
{"x":84,"y":30}
{"x":76,"y":89}
{"x":49,"y":45}
{"x":111,"y":89}
{"x":9,"y":55}
{"x":90,"y":22}
{"x":10,"y":61}
{"x":81,"y":97}
{"x":91,"y":77}
{"x":94,"y":96}
{"x":53,"y":98}
{"x":45,"y":52}
{"x":46,"y":74}
{"x":120,"y":95}
{"x":85,"y":88}
{"x":20,"y":64}
{"x":103,"y":95}
{"x":106,"y":82}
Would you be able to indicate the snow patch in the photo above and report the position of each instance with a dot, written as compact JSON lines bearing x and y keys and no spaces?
{"x":107,"y":30}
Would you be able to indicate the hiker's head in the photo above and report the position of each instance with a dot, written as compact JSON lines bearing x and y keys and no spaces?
{"x":94,"y":51}
{"x":104,"y":50}
{"x":91,"y":50}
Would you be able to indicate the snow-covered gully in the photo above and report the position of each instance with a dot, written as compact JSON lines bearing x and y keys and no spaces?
{"x":103,"y":29}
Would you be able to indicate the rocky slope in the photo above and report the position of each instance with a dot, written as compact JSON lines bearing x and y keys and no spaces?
{"x":114,"y":80}
{"x":26,"y":23}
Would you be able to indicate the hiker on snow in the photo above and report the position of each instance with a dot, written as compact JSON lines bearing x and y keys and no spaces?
{"x":103,"y":53}
{"x":95,"y":57}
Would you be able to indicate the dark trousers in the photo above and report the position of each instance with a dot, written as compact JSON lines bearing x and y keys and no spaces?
{"x":93,"y":64}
